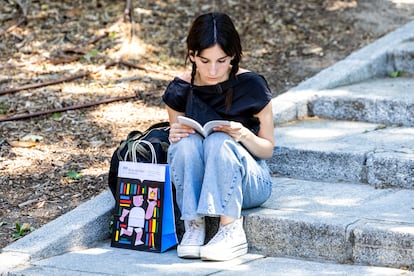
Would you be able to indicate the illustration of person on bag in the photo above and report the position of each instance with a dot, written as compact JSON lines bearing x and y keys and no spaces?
{"x":136,"y":218}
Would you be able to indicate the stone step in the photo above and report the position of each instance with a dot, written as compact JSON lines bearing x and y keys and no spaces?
{"x":339,"y":222}
{"x":388,"y":101}
{"x":327,"y":150}
{"x":305,"y":226}
{"x":106,"y":260}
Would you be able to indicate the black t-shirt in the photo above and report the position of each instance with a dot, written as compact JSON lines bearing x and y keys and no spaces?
{"x":250,"y":94}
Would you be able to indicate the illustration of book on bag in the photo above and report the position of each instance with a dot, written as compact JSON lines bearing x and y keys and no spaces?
{"x":143,"y":215}
{"x":138,"y":213}
{"x":203,"y":130}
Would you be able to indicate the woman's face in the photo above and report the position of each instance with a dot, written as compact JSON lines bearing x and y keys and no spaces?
{"x":213,"y":65}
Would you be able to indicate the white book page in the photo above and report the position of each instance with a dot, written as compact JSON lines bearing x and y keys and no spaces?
{"x":203,"y":130}
{"x":208,"y":127}
{"x":192,"y":123}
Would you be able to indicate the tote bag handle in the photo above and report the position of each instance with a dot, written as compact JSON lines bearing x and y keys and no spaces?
{"x":138,"y":147}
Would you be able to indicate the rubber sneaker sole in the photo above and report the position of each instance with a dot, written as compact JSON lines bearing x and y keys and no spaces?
{"x":188,"y":251}
{"x":213,"y":253}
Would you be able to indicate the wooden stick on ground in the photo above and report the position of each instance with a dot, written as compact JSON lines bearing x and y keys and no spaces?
{"x":80,"y":75}
{"x":57,"y":110}
{"x":80,"y":50}
{"x":129,"y":11}
{"x":21,"y":21}
{"x":139,"y":67}
{"x":43,"y":84}
{"x":95,"y":39}
{"x":11,"y":28}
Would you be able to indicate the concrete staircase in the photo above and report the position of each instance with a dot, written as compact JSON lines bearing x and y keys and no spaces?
{"x":344,"y":189}
{"x":344,"y":164}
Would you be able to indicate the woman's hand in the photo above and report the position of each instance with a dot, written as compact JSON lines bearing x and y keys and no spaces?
{"x":236,"y":130}
{"x":178,"y":131}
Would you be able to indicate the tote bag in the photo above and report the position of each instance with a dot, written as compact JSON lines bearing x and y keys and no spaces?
{"x":144,"y":215}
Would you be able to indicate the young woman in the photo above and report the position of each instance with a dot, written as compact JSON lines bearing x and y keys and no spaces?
{"x":225,"y":172}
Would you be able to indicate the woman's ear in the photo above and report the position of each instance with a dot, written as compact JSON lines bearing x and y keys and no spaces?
{"x":191,"y":56}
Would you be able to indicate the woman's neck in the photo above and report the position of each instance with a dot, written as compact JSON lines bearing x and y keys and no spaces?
{"x":198,"y":80}
{"x":187,"y":76}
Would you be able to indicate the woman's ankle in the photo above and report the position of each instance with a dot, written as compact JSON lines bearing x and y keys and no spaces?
{"x":224,"y":220}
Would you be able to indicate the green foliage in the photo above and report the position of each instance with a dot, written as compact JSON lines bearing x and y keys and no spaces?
{"x":56,"y":115}
{"x":379,"y":127}
{"x":22,"y":230}
{"x":3,"y":108}
{"x":396,"y":74}
{"x":91,"y":54}
{"x":74,"y":175}
{"x":112,"y":35}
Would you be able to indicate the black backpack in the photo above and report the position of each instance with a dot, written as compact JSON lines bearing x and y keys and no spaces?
{"x":135,"y":146}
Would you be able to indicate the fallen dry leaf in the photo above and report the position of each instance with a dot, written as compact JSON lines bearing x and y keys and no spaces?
{"x":31,"y":138}
{"x":22,"y":144}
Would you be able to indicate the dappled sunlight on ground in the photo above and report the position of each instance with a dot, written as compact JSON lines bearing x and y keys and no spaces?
{"x":315,"y":133}
{"x":398,"y":2}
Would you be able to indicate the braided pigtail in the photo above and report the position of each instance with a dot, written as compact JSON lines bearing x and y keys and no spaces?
{"x":193,"y":73}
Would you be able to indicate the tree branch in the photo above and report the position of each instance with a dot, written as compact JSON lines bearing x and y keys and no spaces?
{"x":57,"y":110}
{"x":47,"y":83}
{"x":80,"y":75}
{"x":139,"y":67}
{"x":129,"y":11}
{"x":23,"y":8}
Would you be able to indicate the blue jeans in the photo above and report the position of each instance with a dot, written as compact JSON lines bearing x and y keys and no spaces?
{"x":216,"y":176}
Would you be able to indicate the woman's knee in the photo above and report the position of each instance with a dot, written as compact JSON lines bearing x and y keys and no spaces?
{"x":187,"y":147}
{"x":215,"y":142}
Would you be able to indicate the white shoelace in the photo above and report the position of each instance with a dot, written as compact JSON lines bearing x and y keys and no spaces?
{"x":194,"y":233}
{"x":222,"y":234}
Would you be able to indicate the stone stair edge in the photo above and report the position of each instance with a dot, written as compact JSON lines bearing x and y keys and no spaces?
{"x":361,"y":236}
{"x":251,"y":264}
{"x":369,"y":62}
{"x":332,"y":150}
{"x":388,"y":101}
{"x":362,"y":242}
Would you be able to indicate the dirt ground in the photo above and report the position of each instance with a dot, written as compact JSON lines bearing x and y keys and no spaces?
{"x":50,"y":164}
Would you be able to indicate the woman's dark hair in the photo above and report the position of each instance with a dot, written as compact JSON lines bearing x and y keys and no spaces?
{"x":211,"y":29}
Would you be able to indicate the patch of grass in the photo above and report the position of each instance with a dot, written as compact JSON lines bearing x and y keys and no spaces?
{"x":56,"y":115}
{"x":22,"y":230}
{"x":396,"y":74}
{"x":3,"y":108}
{"x":74,"y":175}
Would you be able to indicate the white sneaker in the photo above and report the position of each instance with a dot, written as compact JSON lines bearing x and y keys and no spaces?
{"x":229,"y":242}
{"x":193,"y":239}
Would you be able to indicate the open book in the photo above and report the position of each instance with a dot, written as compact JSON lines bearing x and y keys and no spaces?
{"x":203,"y":130}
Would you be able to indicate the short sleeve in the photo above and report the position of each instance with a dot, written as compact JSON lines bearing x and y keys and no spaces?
{"x":262,"y":94}
{"x":252,"y":94}
{"x":175,"y":95}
